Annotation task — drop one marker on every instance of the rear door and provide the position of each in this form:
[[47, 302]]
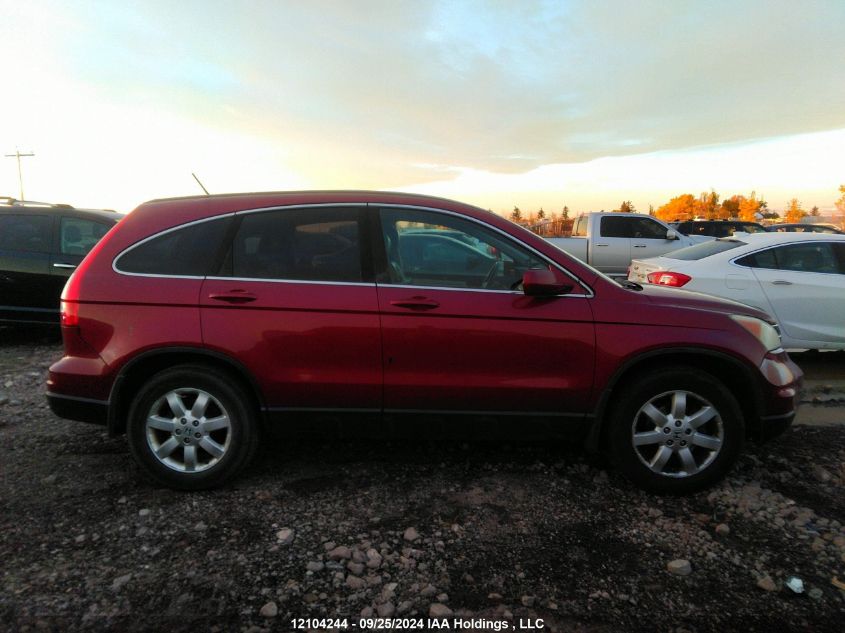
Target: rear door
[[805, 285], [611, 248], [296, 303], [460, 336], [27, 292]]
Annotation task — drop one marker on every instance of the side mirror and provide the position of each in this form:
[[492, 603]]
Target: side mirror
[[671, 234], [545, 283]]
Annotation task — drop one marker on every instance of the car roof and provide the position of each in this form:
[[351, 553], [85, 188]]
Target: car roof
[[11, 205], [772, 238]]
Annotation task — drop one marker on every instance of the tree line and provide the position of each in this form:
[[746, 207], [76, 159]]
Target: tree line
[[708, 205]]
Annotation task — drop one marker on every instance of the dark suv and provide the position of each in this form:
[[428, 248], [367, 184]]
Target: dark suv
[[40, 246], [718, 228], [198, 323]]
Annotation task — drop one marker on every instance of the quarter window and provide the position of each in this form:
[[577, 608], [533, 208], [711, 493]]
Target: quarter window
[[425, 248], [29, 233], [300, 245], [189, 251]]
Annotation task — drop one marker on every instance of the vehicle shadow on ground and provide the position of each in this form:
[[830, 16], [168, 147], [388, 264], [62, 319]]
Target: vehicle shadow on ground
[[30, 335]]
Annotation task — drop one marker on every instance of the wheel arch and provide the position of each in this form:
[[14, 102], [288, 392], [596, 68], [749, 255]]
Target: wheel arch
[[737, 376], [132, 375]]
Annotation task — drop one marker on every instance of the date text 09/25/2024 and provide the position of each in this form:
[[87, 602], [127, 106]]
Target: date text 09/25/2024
[[417, 624]]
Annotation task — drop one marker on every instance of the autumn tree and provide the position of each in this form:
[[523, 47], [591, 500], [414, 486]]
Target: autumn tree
[[730, 207], [679, 208], [840, 206], [794, 212], [708, 205], [750, 207], [626, 207]]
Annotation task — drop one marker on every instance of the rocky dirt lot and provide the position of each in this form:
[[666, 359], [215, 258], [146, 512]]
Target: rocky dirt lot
[[343, 529]]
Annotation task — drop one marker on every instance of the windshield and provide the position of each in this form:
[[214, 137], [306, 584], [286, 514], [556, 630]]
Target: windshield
[[704, 249]]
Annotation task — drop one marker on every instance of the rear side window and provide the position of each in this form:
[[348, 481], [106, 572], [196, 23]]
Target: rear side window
[[28, 233], [318, 244], [705, 249], [186, 252], [616, 226], [78, 236]]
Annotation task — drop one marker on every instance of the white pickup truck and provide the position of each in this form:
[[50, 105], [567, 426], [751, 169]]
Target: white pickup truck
[[609, 241]]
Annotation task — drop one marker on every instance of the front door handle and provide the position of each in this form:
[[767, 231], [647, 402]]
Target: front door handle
[[416, 303], [67, 266], [233, 296], [781, 282], [640, 245]]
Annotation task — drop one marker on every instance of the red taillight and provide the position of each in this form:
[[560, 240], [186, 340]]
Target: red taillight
[[668, 279], [70, 314]]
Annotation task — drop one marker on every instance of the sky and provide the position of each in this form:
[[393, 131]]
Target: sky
[[530, 103]]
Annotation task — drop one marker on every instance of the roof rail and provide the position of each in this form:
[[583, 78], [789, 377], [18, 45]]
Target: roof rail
[[13, 202]]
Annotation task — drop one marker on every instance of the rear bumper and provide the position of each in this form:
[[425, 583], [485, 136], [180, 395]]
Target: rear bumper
[[80, 409]]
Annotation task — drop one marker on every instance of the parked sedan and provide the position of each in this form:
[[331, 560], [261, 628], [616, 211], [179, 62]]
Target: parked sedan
[[799, 278]]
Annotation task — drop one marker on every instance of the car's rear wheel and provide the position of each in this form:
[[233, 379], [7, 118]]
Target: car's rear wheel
[[677, 430], [191, 427]]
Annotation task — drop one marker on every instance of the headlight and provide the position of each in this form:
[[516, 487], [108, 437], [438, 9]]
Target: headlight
[[761, 330]]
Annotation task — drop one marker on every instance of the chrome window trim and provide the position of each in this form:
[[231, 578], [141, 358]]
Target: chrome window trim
[[378, 205], [820, 240], [293, 281], [588, 290], [231, 214], [132, 247]]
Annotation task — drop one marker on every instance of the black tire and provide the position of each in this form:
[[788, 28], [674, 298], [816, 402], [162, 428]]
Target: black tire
[[688, 447], [223, 399]]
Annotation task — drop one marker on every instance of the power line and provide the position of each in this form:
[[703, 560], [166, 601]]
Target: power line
[[18, 155]]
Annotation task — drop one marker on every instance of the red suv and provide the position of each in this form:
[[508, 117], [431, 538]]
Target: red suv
[[197, 323]]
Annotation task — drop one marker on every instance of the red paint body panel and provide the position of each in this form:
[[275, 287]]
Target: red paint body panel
[[307, 345], [487, 351]]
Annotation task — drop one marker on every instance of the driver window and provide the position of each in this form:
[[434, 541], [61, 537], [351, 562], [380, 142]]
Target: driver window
[[425, 248]]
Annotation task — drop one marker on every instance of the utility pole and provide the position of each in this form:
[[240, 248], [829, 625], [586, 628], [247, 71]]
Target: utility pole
[[18, 155]]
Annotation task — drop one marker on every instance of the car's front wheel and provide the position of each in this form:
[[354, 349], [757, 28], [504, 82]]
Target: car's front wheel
[[191, 427], [677, 430]]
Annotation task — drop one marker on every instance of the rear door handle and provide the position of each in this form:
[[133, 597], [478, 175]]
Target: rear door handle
[[781, 282], [68, 266], [233, 296], [602, 244], [416, 303], [640, 245]]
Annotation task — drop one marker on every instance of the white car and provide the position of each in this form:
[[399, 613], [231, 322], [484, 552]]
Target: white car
[[798, 278]]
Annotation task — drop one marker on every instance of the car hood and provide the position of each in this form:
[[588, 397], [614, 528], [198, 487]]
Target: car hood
[[678, 298]]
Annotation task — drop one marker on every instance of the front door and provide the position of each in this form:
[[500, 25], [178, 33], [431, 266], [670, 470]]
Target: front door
[[804, 283], [459, 335]]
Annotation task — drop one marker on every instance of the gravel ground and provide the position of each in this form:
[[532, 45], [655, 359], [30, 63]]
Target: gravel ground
[[500, 533]]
